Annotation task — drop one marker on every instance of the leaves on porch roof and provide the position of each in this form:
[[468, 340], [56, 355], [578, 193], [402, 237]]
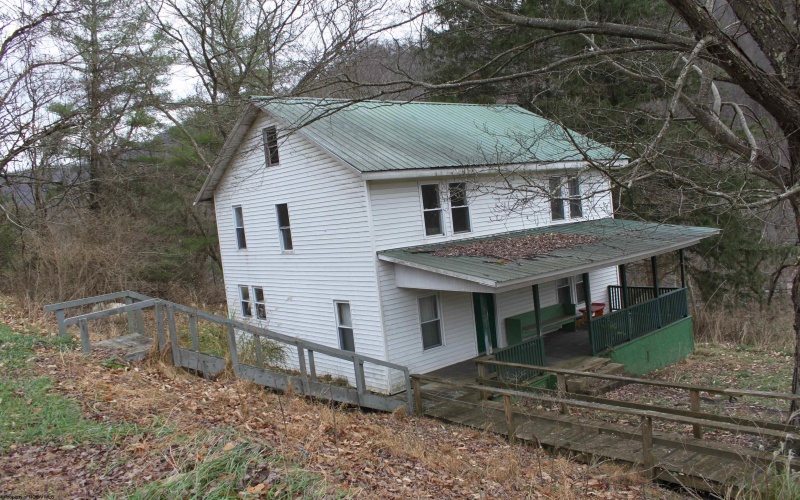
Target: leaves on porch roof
[[509, 249]]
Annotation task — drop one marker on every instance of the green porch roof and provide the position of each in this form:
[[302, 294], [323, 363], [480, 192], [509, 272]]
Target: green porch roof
[[377, 136], [621, 241]]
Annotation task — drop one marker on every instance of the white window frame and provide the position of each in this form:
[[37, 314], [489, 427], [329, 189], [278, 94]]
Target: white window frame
[[237, 227], [257, 303], [465, 207], [556, 197], [574, 197], [281, 229], [267, 140], [440, 210], [438, 318], [568, 287], [243, 301], [340, 326]]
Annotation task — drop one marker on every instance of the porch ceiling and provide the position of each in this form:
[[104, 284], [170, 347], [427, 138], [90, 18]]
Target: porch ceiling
[[620, 241]]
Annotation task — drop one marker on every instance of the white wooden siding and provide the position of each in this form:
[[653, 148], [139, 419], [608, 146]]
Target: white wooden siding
[[332, 257], [397, 221]]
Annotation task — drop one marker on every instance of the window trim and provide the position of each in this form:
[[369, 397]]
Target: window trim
[[269, 138], [241, 244], [438, 318], [281, 229], [440, 209], [339, 325], [257, 303], [243, 301], [465, 207], [574, 197]]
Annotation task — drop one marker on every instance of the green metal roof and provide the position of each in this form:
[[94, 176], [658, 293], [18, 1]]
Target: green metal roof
[[621, 241], [390, 135]]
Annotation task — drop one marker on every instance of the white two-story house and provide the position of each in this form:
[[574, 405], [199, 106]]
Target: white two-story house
[[336, 222]]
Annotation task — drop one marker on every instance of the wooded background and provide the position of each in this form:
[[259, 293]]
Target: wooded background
[[100, 161]]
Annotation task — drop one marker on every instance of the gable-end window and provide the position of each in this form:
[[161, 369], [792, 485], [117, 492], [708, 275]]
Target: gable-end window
[[261, 303], [270, 137], [244, 297], [563, 291], [238, 222], [431, 209], [430, 321], [556, 199], [284, 227], [575, 202], [459, 209], [344, 323]]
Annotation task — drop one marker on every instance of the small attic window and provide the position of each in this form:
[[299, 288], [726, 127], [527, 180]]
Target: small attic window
[[270, 135]]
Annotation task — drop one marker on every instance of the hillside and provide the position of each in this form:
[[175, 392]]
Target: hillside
[[95, 427]]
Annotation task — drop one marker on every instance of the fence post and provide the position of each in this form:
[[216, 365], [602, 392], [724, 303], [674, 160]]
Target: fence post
[[417, 390], [561, 385], [193, 333], [694, 405], [131, 316], [358, 364], [173, 336], [482, 376], [232, 348], [312, 366], [409, 392], [301, 358], [160, 333], [510, 425], [62, 328], [647, 446], [85, 345]]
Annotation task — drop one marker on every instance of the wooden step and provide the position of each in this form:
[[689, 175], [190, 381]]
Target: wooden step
[[593, 386]]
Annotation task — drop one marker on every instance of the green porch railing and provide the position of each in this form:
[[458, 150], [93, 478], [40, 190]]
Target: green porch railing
[[528, 352], [636, 295], [627, 324]]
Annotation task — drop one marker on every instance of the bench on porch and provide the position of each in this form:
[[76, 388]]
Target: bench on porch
[[553, 317]]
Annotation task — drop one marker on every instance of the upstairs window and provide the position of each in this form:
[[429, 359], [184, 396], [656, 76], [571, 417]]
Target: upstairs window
[[344, 323], [261, 303], [575, 202], [238, 222], [431, 209], [270, 137], [459, 209], [430, 321], [556, 199], [247, 305], [284, 227]]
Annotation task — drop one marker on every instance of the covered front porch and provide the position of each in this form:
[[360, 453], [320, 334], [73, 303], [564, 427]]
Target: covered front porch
[[565, 314]]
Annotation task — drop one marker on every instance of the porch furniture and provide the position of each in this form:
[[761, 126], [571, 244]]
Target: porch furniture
[[597, 310], [552, 318]]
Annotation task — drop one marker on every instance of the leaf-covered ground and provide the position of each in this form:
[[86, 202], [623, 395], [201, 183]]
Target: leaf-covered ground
[[87, 428]]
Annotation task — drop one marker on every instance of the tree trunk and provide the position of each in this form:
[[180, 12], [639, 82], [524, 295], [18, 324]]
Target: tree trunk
[[793, 407]]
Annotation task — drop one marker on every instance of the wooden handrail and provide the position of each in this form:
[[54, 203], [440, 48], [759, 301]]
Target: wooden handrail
[[615, 409], [658, 383]]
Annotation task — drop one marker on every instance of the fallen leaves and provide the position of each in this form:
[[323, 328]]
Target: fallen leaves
[[525, 247]]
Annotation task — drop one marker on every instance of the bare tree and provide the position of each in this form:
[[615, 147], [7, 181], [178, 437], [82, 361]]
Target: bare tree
[[724, 123]]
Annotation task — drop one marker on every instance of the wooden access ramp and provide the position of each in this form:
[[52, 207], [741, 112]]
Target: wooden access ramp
[[694, 463]]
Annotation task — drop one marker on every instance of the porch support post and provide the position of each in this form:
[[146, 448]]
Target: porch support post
[[682, 260], [487, 335], [537, 308], [587, 293], [656, 287], [623, 277]]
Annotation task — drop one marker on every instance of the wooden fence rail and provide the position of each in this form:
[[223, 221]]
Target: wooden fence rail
[[693, 392], [258, 372]]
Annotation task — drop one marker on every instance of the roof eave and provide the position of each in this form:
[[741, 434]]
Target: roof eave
[[229, 148], [505, 169]]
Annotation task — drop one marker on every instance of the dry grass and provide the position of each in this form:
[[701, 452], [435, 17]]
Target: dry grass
[[767, 329]]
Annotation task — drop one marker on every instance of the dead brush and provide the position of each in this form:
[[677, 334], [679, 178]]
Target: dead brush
[[764, 329]]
